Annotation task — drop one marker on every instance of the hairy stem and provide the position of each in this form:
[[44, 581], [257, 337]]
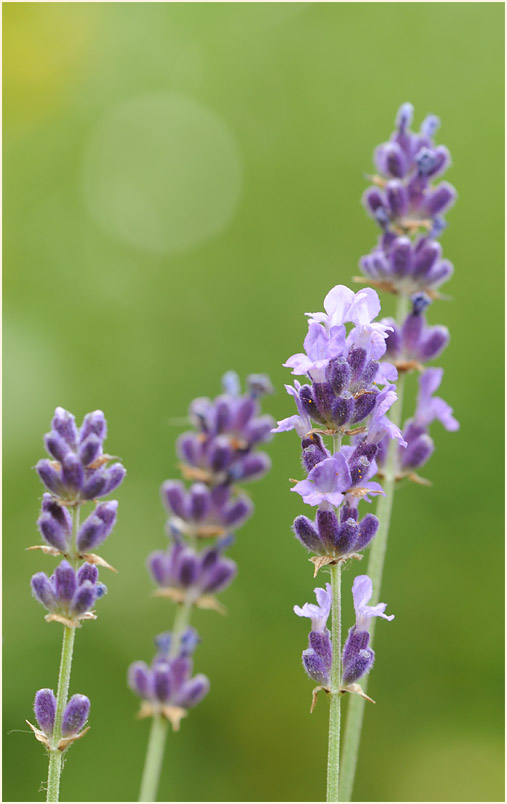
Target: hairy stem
[[333, 760], [55, 755], [159, 726], [356, 704]]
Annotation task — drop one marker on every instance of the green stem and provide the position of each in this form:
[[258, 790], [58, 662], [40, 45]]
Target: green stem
[[333, 759], [356, 704], [55, 755], [154, 758], [159, 725]]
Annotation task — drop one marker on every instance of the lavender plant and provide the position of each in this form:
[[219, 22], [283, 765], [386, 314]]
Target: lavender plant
[[215, 456], [407, 262], [348, 396], [351, 388], [78, 472]]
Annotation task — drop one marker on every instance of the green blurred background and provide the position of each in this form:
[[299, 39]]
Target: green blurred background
[[181, 183]]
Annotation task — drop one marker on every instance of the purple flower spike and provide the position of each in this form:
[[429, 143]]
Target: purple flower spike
[[45, 710], [66, 593], [75, 715], [78, 471], [409, 203]]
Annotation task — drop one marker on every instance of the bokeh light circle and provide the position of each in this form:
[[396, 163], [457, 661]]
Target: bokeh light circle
[[162, 173]]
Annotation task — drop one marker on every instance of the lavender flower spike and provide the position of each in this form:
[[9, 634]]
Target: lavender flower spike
[[79, 470]]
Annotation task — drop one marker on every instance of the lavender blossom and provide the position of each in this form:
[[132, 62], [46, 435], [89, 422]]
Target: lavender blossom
[[202, 511], [317, 658], [78, 470], [168, 682], [404, 202], [335, 536], [404, 196], [344, 369], [228, 430], [357, 657], [398, 265], [191, 574], [67, 595], [414, 343]]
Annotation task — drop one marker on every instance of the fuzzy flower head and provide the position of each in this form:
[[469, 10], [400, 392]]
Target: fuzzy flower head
[[362, 591], [167, 687], [343, 369], [79, 468], [227, 431], [404, 196], [413, 342], [68, 595], [319, 613]]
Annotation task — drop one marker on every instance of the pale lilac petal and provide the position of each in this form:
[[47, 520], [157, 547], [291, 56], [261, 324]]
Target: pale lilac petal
[[443, 412], [362, 590], [299, 363], [386, 373], [365, 307], [291, 423], [317, 614]]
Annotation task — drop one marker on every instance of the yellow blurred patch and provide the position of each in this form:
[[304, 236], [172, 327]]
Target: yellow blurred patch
[[44, 48]]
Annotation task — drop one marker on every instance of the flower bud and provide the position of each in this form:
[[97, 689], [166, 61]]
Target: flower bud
[[45, 710], [173, 494], [307, 534], [193, 691], [75, 715], [65, 425]]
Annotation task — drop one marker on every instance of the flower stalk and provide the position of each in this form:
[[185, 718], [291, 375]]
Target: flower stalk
[[55, 754], [407, 261], [77, 473], [333, 761], [219, 452]]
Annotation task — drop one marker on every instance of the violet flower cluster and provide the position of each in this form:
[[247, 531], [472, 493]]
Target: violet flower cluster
[[405, 202], [408, 261], [78, 472], [220, 451], [347, 393], [168, 685]]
